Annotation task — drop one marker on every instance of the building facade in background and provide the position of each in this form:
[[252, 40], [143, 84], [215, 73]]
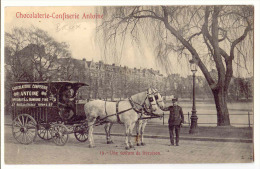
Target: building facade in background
[[109, 81]]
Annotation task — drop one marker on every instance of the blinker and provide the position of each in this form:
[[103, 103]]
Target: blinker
[[156, 97], [150, 99]]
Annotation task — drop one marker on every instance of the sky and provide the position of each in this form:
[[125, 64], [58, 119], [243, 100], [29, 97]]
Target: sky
[[80, 34]]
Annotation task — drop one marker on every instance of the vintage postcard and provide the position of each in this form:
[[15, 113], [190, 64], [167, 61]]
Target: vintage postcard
[[161, 84]]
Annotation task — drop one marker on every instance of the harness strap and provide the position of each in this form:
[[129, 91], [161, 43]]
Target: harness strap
[[133, 106], [106, 108], [151, 114], [151, 117], [117, 114]]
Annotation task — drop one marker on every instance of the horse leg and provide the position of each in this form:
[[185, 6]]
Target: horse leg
[[106, 130], [138, 129], [109, 132], [91, 123], [130, 135], [108, 127], [142, 132], [127, 147]]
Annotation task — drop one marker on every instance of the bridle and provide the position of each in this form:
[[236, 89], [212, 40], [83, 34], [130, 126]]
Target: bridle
[[156, 93], [150, 98], [147, 109]]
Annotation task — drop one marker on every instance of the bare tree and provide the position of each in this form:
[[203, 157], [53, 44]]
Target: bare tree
[[66, 69], [210, 34], [32, 54]]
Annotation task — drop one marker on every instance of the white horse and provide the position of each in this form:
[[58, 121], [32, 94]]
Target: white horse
[[141, 123], [145, 114], [125, 111]]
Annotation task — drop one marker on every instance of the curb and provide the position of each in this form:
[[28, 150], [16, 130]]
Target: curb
[[190, 138]]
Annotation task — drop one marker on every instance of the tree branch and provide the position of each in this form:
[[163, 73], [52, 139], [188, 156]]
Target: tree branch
[[238, 40], [189, 47]]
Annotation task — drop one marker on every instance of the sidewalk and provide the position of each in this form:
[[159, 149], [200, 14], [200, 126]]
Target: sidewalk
[[217, 134]]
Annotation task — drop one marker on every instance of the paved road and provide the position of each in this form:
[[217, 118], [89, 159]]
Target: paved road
[[155, 151]]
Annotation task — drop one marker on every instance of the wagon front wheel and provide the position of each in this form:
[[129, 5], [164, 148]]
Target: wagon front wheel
[[24, 129], [59, 134], [81, 133], [44, 131]]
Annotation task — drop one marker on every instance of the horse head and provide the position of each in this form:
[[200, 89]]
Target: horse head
[[158, 97], [150, 102], [145, 100]]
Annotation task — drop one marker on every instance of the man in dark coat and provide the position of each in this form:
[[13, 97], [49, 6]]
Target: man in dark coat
[[175, 119], [69, 101]]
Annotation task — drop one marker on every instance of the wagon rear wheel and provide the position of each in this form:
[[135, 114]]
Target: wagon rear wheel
[[59, 134], [44, 131], [24, 129], [81, 133]]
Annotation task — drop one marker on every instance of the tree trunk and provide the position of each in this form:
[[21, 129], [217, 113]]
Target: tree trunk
[[220, 97]]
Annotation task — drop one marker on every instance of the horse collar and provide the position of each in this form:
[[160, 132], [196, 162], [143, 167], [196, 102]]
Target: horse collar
[[133, 105]]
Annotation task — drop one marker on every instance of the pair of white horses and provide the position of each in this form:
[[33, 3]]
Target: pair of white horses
[[128, 112]]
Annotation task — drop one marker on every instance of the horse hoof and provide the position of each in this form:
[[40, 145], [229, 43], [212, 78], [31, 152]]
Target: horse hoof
[[138, 144], [143, 144], [91, 146], [132, 146], [110, 142], [127, 147]]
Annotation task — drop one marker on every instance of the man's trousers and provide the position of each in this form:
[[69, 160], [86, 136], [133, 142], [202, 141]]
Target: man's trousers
[[177, 132]]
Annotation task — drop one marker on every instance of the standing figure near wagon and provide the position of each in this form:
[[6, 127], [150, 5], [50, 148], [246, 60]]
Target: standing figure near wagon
[[175, 119]]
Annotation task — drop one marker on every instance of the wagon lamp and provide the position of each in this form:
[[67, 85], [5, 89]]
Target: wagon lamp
[[194, 118]]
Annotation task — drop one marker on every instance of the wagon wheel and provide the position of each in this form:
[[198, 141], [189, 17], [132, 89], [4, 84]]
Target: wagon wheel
[[81, 133], [44, 131], [59, 134], [24, 129]]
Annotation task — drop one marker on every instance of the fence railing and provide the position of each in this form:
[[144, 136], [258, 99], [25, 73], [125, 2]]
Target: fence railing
[[189, 121]]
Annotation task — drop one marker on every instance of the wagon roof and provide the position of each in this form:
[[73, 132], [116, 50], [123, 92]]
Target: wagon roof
[[57, 83]]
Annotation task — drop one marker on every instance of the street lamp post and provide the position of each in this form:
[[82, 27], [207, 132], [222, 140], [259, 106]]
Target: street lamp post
[[194, 118]]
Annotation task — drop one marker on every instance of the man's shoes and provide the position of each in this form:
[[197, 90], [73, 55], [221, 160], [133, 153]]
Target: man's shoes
[[177, 144], [172, 144]]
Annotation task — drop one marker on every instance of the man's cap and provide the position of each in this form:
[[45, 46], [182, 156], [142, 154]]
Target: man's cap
[[175, 99]]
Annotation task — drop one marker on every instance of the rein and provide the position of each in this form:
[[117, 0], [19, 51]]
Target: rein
[[151, 117], [151, 114]]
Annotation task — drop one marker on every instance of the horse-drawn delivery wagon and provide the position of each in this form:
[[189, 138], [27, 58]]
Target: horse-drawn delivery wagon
[[51, 111], [45, 109]]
